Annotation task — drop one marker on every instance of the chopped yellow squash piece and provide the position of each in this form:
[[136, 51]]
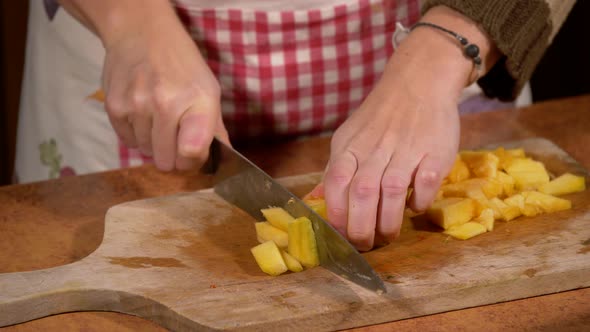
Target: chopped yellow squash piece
[[269, 258], [486, 218], [278, 217], [318, 205], [265, 232], [506, 156], [503, 210], [516, 153], [483, 164], [546, 203], [468, 188], [565, 184], [518, 200], [507, 183], [459, 172], [451, 211], [302, 243], [292, 264], [466, 230], [528, 174]]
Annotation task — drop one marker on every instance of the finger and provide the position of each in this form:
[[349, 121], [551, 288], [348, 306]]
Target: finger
[[118, 111], [338, 176], [141, 114], [142, 128], [316, 192], [184, 163], [125, 132], [428, 178], [396, 179], [196, 128], [164, 136], [363, 200]]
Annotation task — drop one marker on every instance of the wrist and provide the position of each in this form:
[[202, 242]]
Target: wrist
[[435, 56], [121, 19], [430, 63]]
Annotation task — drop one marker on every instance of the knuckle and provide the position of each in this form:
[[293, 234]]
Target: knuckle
[[430, 177], [337, 212], [163, 98], [364, 188], [139, 101], [116, 108], [394, 185], [339, 176]]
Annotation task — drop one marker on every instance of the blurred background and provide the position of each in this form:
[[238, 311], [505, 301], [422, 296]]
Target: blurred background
[[564, 71]]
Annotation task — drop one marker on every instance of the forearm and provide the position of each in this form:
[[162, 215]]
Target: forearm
[[111, 19]]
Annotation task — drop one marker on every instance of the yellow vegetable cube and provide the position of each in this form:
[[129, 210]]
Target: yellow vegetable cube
[[302, 243], [459, 172], [507, 183], [482, 164], [528, 174], [292, 264], [506, 156], [516, 153], [269, 258], [504, 211], [267, 232], [486, 218], [518, 201], [466, 230], [451, 211], [318, 205], [277, 217], [565, 184], [468, 188], [546, 203]]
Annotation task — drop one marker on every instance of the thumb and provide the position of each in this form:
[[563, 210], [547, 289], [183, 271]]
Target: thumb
[[196, 127]]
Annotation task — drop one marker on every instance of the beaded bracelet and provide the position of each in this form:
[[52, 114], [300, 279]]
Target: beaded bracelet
[[470, 50]]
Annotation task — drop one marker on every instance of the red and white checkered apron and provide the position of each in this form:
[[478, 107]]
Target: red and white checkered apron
[[287, 73]]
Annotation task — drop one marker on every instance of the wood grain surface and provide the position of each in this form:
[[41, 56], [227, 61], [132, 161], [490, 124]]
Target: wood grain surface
[[183, 261]]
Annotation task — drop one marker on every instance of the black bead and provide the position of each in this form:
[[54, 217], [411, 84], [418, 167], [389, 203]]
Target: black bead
[[463, 41], [472, 51], [477, 61]]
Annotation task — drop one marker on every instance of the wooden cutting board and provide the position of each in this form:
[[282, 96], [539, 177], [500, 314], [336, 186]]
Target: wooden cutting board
[[183, 261]]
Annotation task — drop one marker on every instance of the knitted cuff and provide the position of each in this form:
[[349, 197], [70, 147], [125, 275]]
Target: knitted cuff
[[521, 30]]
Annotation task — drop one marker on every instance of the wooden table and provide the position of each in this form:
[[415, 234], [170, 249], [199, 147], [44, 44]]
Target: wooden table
[[57, 222]]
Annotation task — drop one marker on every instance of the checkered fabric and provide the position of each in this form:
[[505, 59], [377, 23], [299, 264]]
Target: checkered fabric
[[286, 73]]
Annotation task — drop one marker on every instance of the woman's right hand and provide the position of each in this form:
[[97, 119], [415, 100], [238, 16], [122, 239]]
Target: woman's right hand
[[161, 97]]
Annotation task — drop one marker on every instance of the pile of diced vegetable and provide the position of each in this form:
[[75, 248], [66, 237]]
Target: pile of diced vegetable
[[484, 186]]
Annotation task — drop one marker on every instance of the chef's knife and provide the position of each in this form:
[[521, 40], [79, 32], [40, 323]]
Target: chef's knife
[[243, 184]]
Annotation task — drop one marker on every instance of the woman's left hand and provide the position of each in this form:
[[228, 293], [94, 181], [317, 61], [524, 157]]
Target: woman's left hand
[[398, 138], [404, 135]]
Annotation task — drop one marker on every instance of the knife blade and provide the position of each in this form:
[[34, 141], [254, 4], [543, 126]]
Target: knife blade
[[243, 184]]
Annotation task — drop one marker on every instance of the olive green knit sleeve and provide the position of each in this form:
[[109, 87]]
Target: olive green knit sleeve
[[521, 29]]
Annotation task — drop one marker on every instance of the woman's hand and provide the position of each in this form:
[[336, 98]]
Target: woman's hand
[[404, 135], [160, 94]]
